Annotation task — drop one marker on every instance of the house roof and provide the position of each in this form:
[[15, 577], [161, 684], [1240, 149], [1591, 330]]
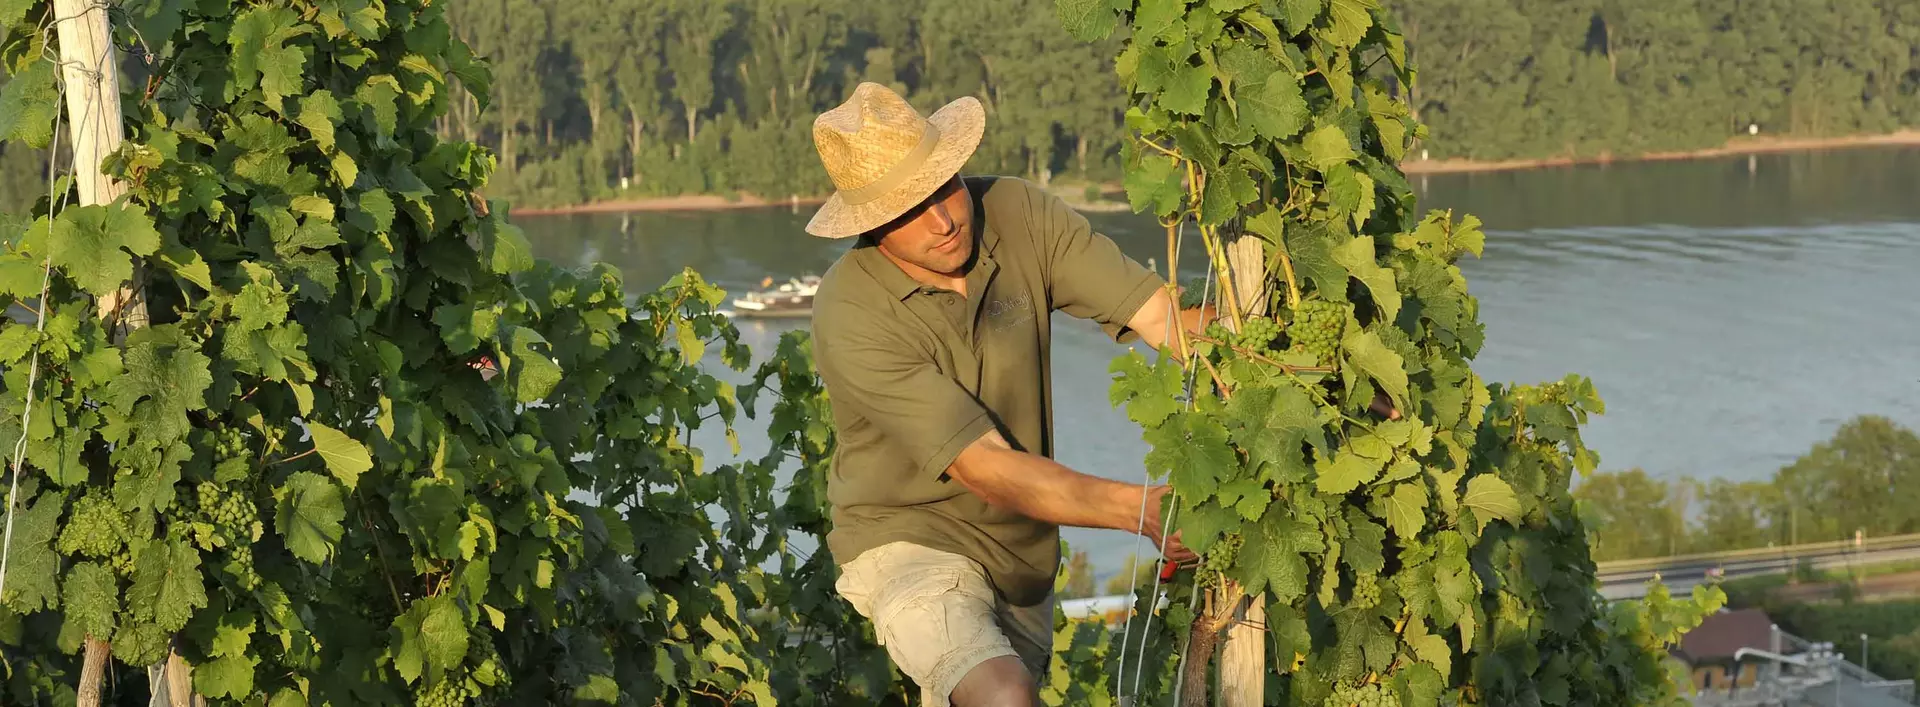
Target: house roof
[[1723, 634]]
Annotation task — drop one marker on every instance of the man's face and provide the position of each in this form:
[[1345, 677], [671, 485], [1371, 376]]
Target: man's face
[[936, 234]]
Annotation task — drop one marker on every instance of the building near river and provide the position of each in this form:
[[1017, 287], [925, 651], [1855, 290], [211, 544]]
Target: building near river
[[1741, 658]]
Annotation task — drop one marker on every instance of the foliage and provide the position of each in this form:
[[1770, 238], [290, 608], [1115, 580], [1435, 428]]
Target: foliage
[[1837, 488], [585, 92], [370, 451], [1437, 554]]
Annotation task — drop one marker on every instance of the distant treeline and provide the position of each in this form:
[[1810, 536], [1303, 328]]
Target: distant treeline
[[1865, 479], [716, 96]]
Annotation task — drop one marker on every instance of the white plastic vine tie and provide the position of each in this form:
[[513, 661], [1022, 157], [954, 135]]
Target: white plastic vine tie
[[56, 201]]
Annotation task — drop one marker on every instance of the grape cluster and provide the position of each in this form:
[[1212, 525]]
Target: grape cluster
[[96, 528], [235, 521], [489, 669], [1316, 330], [1220, 556], [1374, 695], [1257, 333], [1366, 591], [451, 691]]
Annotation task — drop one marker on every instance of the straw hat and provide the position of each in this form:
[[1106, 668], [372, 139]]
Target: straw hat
[[884, 158]]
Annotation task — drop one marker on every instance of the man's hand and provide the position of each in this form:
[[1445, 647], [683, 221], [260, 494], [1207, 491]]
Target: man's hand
[[1383, 406], [1175, 551]]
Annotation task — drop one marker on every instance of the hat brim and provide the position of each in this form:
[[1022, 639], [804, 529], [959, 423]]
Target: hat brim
[[961, 124]]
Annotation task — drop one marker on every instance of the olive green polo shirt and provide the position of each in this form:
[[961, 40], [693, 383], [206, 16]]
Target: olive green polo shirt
[[917, 373]]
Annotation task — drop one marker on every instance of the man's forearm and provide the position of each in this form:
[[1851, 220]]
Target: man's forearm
[[1045, 490]]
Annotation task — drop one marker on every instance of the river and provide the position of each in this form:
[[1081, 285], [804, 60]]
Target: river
[[1732, 312]]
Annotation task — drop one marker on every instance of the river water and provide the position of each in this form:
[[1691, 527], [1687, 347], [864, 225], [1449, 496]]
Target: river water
[[1732, 312]]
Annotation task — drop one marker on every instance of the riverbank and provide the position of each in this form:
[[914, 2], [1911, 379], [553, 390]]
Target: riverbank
[[1733, 148], [1736, 147]]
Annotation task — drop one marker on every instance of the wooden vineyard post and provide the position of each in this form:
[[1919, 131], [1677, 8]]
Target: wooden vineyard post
[[89, 69], [1243, 654], [93, 121]]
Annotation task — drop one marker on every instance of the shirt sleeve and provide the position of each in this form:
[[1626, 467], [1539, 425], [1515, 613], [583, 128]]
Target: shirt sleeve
[[1087, 274], [897, 389]]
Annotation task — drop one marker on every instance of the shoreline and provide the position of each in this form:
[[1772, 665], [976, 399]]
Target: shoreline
[[1733, 148]]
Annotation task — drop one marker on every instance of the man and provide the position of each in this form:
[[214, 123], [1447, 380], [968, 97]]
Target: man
[[932, 334]]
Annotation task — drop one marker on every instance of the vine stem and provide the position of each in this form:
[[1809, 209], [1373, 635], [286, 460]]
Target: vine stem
[[1261, 358], [296, 457]]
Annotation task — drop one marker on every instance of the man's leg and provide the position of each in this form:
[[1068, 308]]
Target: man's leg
[[934, 613]]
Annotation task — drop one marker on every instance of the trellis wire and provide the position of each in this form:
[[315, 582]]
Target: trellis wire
[[1166, 521]]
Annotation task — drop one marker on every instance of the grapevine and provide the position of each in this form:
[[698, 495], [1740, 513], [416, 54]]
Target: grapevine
[[292, 484], [1345, 435]]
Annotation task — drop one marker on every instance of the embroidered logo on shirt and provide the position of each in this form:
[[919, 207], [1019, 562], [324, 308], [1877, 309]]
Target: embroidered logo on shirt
[[1004, 314]]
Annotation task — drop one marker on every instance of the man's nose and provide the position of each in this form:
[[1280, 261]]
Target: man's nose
[[942, 221]]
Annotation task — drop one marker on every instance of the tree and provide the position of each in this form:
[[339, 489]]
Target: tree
[[1079, 577], [1635, 515]]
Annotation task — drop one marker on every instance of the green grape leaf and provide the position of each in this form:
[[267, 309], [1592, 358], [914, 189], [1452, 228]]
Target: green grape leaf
[[1205, 523], [1226, 6], [1407, 510], [234, 634], [1298, 15], [534, 375], [1327, 146], [27, 105], [1275, 425], [1187, 88], [1155, 18], [1364, 541], [320, 115], [1274, 107], [1421, 684], [443, 632], [188, 265], [345, 456], [1273, 562], [140, 643], [1347, 471], [1350, 22], [230, 677], [167, 586], [93, 597], [510, 253], [1150, 391], [165, 377], [1491, 498], [1228, 188], [1357, 256], [308, 514], [92, 244], [1368, 353], [281, 72], [1086, 20], [20, 276], [287, 697], [1191, 451], [1311, 249]]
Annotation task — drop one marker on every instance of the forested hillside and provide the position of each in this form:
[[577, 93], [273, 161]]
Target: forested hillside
[[715, 96]]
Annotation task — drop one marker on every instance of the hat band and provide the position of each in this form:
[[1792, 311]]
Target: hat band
[[899, 173]]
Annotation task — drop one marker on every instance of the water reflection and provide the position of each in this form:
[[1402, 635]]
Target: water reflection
[[1731, 317]]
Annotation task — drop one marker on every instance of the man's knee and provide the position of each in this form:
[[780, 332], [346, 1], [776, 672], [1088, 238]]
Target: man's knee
[[999, 682]]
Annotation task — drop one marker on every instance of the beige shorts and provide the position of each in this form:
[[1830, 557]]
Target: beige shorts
[[938, 617]]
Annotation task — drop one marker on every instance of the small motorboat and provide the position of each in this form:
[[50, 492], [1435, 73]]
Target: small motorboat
[[793, 298]]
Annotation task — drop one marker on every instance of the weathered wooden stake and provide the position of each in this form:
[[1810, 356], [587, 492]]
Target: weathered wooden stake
[[93, 121], [89, 67], [1243, 653]]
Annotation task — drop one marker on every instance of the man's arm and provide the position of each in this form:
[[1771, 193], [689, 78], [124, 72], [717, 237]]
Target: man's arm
[[1153, 321], [1044, 490]]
